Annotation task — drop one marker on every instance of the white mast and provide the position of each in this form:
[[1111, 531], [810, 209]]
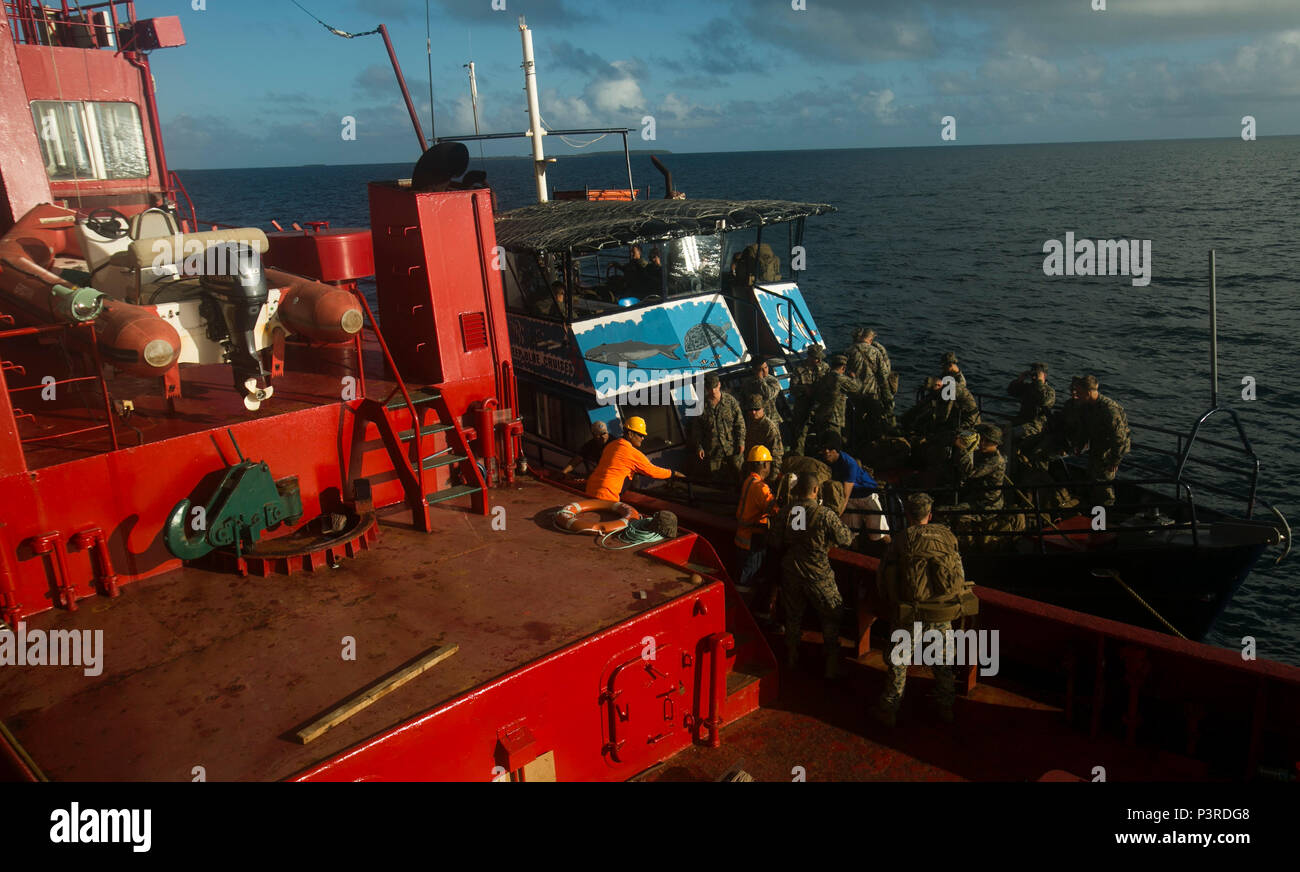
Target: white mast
[[473, 94], [534, 111]]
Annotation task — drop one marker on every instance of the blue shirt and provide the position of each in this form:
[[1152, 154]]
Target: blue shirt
[[848, 469]]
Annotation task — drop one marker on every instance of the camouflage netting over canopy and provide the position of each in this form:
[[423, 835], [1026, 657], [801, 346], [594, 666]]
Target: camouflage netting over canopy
[[587, 226]]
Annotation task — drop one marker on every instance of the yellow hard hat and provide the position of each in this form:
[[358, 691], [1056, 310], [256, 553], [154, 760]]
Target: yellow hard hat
[[635, 425], [759, 454]]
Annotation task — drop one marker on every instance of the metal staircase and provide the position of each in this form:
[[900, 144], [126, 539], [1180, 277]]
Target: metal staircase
[[429, 473]]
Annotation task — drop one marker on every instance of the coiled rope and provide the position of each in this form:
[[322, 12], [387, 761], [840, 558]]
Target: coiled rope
[[636, 533]]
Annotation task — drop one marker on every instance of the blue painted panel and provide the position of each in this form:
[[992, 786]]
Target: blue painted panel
[[670, 342], [791, 332]]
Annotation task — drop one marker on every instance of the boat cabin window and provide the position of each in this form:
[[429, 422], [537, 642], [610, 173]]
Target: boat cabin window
[[663, 427], [563, 422], [85, 140], [626, 274], [761, 255], [529, 282], [692, 264]]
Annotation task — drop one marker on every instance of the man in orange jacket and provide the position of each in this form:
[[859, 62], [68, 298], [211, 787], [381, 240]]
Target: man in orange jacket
[[620, 460], [757, 505]]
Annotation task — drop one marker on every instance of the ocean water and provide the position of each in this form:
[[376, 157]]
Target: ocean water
[[942, 249]]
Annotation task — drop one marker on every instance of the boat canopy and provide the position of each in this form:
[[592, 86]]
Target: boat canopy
[[588, 226]]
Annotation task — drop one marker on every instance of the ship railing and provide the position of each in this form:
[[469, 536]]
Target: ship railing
[[1039, 527], [398, 386], [1181, 461], [64, 331], [86, 25], [176, 187], [792, 309]]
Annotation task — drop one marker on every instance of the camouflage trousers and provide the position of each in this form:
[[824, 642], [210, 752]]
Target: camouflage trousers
[[980, 531], [896, 673], [824, 595], [1033, 472], [801, 424], [1101, 493]]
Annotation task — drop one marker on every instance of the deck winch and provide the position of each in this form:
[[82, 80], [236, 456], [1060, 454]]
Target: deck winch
[[246, 503]]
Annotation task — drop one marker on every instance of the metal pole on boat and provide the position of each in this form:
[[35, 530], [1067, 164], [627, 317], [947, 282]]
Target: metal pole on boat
[[473, 94], [534, 111], [406, 95], [1214, 339], [627, 157]]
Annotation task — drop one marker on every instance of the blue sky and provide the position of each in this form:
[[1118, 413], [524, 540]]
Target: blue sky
[[262, 84]]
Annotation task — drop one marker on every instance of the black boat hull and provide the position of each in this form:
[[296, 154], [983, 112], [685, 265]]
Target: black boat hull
[[1188, 585]]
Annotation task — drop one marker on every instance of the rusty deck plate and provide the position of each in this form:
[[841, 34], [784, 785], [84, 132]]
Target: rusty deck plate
[[212, 670]]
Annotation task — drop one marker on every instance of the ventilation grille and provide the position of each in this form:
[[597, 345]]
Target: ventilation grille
[[473, 330]]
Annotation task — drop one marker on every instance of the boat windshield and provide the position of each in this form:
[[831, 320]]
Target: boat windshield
[[628, 275]]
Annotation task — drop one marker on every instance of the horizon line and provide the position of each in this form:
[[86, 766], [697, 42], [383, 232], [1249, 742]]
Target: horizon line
[[948, 145]]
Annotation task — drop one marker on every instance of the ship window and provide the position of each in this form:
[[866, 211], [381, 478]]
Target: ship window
[[663, 429], [82, 140], [527, 279], [692, 264]]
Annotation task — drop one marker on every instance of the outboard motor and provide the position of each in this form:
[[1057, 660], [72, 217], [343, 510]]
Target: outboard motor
[[235, 293]]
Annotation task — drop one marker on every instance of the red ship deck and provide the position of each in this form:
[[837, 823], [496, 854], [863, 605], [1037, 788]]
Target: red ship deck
[[999, 735], [212, 670]]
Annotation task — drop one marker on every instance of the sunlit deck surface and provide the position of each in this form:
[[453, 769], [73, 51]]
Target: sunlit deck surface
[[213, 670], [998, 735]]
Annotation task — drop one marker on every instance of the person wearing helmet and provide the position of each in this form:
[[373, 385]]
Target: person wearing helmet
[[591, 450], [762, 430], [621, 459], [981, 475], [806, 374], [753, 514]]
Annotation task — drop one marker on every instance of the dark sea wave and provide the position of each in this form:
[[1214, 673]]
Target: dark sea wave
[[942, 249]]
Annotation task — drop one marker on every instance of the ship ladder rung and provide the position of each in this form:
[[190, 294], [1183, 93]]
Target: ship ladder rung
[[451, 493], [418, 398]]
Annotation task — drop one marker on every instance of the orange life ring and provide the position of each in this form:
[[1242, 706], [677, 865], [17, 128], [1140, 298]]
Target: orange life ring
[[566, 518]]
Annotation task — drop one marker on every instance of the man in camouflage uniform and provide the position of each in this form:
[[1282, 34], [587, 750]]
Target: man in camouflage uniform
[[918, 580], [933, 423], [1036, 400], [868, 362], [981, 474], [716, 436], [759, 430], [802, 380], [807, 530], [1062, 434], [766, 385], [830, 397], [948, 366], [1106, 426]]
